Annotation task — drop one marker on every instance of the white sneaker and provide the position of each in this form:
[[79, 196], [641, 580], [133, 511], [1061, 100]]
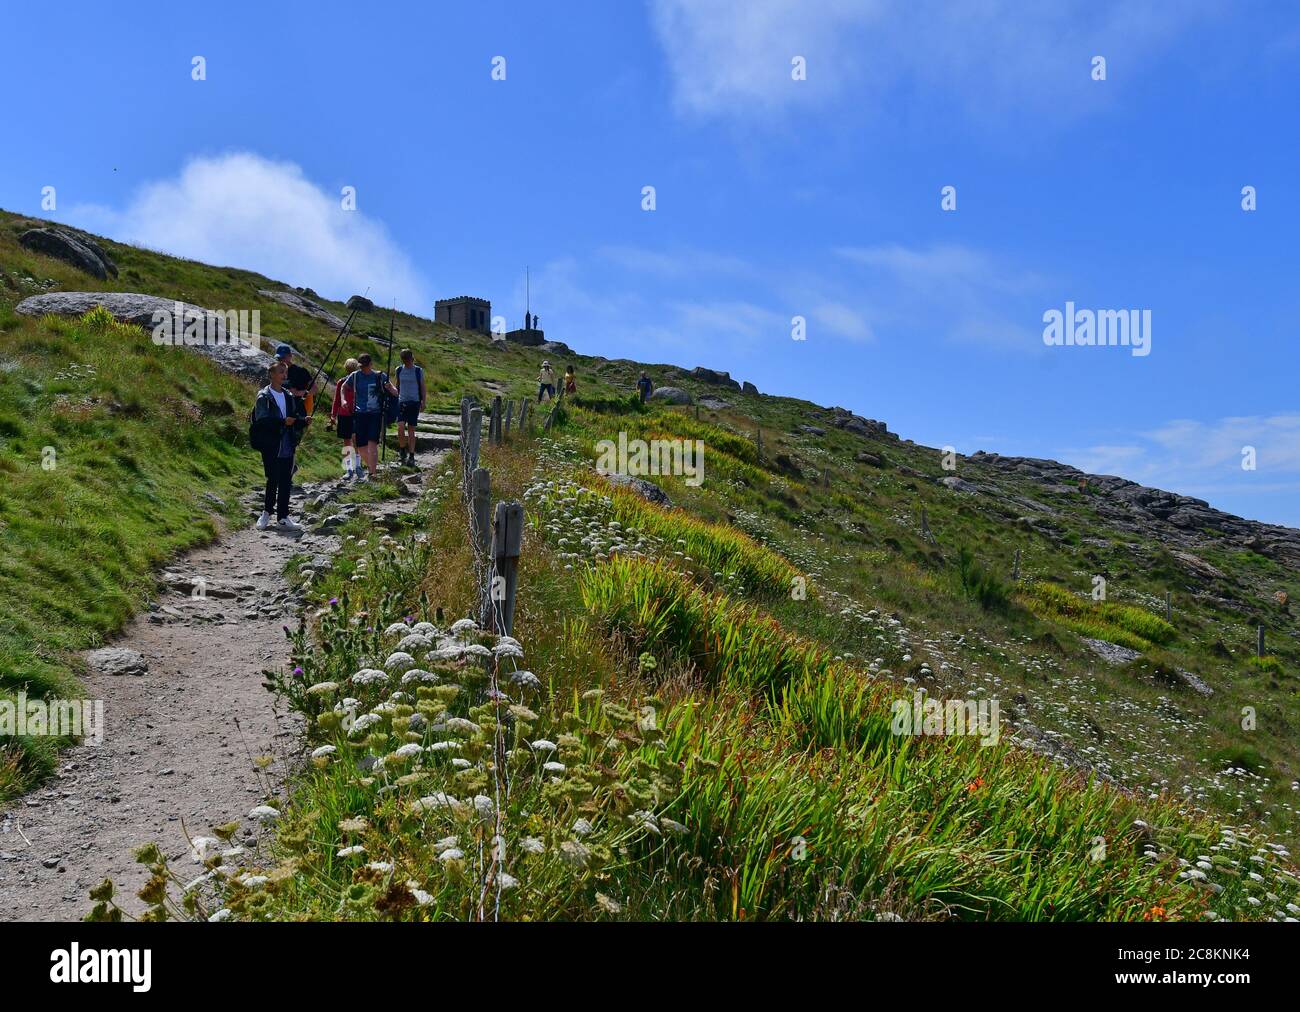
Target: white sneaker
[[290, 524], [264, 521]]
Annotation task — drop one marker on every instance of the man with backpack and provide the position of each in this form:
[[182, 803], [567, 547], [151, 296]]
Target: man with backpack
[[368, 392], [297, 379], [410, 402], [644, 387], [278, 421]]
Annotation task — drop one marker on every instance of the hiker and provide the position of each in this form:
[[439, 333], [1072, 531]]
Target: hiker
[[297, 380], [644, 387], [279, 420], [545, 382], [341, 418], [570, 382], [368, 390], [410, 402]]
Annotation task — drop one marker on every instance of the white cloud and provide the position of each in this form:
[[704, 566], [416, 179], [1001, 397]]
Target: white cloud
[[244, 210], [957, 292], [1211, 447], [1204, 459], [731, 58], [843, 321]]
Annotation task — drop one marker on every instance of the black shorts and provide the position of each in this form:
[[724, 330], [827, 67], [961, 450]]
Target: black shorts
[[408, 412], [366, 428], [344, 424]]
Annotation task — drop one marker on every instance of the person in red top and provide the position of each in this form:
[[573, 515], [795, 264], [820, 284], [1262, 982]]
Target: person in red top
[[341, 418]]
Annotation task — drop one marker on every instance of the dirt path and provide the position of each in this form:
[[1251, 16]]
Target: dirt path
[[179, 739]]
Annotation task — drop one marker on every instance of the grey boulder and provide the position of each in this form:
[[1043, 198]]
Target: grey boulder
[[647, 490], [117, 661], [229, 353], [671, 395], [303, 305], [80, 251]]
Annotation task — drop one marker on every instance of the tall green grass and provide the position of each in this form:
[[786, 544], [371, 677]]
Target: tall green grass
[[936, 827], [1124, 624], [722, 549]]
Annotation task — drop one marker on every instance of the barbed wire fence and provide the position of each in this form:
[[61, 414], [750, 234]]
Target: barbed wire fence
[[495, 544]]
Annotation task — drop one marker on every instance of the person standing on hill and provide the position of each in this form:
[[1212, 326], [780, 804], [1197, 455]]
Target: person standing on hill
[[297, 380], [644, 387], [341, 418], [570, 382], [545, 382], [410, 402], [279, 420], [368, 389]]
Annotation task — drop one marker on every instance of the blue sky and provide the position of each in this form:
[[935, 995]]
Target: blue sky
[[775, 198]]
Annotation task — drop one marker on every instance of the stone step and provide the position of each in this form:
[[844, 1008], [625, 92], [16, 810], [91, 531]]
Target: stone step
[[428, 441]]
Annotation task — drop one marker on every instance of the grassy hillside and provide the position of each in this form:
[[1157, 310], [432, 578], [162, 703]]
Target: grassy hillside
[[771, 709]]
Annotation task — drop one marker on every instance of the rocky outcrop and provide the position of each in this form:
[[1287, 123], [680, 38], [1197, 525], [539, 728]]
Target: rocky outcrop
[[749, 388], [671, 395], [714, 377], [844, 419], [955, 484], [361, 304], [555, 348], [210, 337], [1180, 522], [71, 247], [303, 305]]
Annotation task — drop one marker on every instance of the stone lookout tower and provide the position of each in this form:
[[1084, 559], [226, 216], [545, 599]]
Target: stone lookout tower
[[465, 312]]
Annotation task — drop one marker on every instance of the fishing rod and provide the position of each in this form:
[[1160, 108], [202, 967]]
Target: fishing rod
[[383, 446], [329, 354]]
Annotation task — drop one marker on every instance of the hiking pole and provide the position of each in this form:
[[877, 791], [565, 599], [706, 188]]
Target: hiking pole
[[329, 354], [383, 446]]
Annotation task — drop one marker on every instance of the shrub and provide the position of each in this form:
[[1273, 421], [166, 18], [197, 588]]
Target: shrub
[[1268, 664], [978, 584]]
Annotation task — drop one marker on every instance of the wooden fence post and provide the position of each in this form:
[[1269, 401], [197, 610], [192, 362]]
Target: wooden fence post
[[1169, 606], [481, 510], [551, 416], [523, 414], [470, 443], [925, 526], [464, 443], [494, 431], [507, 539], [510, 414], [1015, 568], [1259, 641]]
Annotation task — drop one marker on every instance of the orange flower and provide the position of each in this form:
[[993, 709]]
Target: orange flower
[[975, 785], [1154, 914]]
